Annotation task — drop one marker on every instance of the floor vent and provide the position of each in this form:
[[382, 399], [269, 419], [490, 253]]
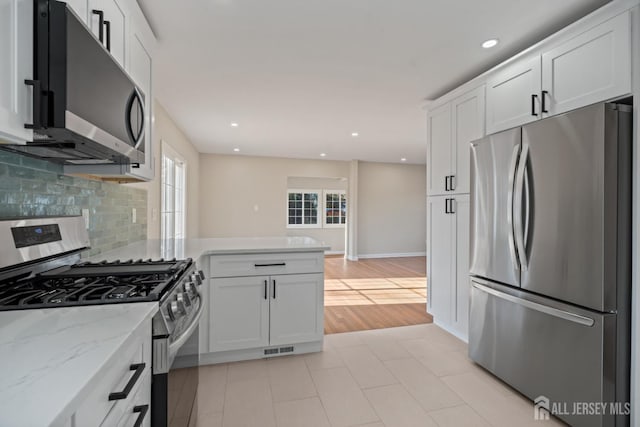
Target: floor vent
[[286, 349], [271, 351]]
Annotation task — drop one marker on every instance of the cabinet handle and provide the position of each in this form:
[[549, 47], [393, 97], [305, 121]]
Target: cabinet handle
[[276, 264], [142, 410], [107, 26], [533, 105], [452, 186], [274, 288], [119, 395], [451, 205], [446, 183], [446, 206], [100, 24], [265, 290], [544, 98], [37, 106]]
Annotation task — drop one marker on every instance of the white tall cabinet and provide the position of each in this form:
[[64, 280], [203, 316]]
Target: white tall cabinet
[[452, 126]]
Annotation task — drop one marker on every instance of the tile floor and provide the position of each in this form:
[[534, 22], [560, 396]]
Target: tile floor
[[367, 291], [407, 376]]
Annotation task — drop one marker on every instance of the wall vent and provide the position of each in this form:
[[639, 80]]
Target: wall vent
[[286, 349], [271, 351]]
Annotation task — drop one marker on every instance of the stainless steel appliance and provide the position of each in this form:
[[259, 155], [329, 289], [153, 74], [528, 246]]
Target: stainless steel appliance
[[40, 267], [86, 109], [550, 260]]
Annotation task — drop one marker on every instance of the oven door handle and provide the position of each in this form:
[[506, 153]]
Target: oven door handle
[[175, 346]]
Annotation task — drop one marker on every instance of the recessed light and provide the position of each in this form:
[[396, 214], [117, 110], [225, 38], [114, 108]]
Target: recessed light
[[234, 125], [323, 154], [404, 159], [490, 43], [354, 134], [236, 150]]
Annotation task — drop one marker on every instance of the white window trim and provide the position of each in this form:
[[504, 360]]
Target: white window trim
[[324, 208], [170, 152], [320, 208]]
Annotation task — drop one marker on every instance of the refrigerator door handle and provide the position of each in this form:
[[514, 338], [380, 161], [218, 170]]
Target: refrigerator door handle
[[517, 208], [552, 311], [512, 174]]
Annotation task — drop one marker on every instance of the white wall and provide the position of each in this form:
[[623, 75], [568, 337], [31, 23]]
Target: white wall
[[391, 209], [247, 196], [165, 129]]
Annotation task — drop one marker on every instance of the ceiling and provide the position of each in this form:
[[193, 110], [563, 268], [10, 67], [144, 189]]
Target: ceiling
[[299, 76]]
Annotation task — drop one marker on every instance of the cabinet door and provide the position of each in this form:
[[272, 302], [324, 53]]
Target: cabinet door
[[80, 8], [461, 292], [238, 313], [297, 308], [113, 28], [16, 51], [140, 69], [440, 246], [467, 114], [438, 149], [513, 95], [592, 67]]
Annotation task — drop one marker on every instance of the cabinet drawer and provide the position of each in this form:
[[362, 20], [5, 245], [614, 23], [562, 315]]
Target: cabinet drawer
[[266, 264], [125, 413], [115, 376]]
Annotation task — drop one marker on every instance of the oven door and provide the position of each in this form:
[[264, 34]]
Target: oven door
[[174, 393]]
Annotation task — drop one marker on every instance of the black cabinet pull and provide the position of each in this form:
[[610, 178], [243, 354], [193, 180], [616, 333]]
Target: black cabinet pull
[[107, 26], [274, 288], [446, 183], [533, 105], [37, 106], [451, 205], [446, 206], [275, 264], [119, 395], [544, 98], [100, 24], [142, 410], [451, 181], [265, 290]]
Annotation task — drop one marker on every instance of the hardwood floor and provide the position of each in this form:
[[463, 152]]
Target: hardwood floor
[[374, 293]]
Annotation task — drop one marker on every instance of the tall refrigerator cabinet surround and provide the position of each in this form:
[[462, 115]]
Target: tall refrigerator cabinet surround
[[550, 259]]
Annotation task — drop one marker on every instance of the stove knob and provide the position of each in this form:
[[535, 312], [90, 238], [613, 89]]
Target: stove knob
[[201, 274], [190, 289], [195, 278], [176, 310], [184, 300]]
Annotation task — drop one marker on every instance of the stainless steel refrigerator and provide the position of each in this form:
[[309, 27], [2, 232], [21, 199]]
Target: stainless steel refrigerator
[[550, 260]]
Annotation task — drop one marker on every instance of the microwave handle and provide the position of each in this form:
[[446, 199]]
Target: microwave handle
[[137, 138]]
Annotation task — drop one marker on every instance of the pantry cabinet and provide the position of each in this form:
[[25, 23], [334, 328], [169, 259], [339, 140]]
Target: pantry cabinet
[[448, 262], [452, 127], [593, 66]]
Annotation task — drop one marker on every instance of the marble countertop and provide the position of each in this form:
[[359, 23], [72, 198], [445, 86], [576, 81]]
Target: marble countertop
[[195, 248], [50, 358]]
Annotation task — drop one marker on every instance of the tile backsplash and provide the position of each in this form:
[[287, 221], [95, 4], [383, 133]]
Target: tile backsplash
[[33, 187]]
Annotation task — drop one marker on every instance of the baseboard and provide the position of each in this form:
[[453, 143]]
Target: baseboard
[[334, 252], [352, 258], [452, 332], [258, 353], [392, 255]]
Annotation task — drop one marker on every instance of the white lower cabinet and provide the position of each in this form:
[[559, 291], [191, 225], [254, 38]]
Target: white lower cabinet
[[262, 315], [448, 262]]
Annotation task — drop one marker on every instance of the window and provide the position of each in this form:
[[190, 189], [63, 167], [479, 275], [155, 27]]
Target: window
[[335, 208], [303, 209], [173, 190]]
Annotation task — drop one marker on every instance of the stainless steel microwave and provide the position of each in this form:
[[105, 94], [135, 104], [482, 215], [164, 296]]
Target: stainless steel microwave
[[86, 108]]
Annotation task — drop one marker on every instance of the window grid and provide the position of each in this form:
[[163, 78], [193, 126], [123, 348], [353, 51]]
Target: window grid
[[335, 208], [303, 209]]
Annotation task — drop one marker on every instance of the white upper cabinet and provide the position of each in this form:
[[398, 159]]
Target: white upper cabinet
[[80, 7], [513, 95], [16, 66], [107, 22], [439, 150], [591, 67], [467, 112], [451, 127]]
